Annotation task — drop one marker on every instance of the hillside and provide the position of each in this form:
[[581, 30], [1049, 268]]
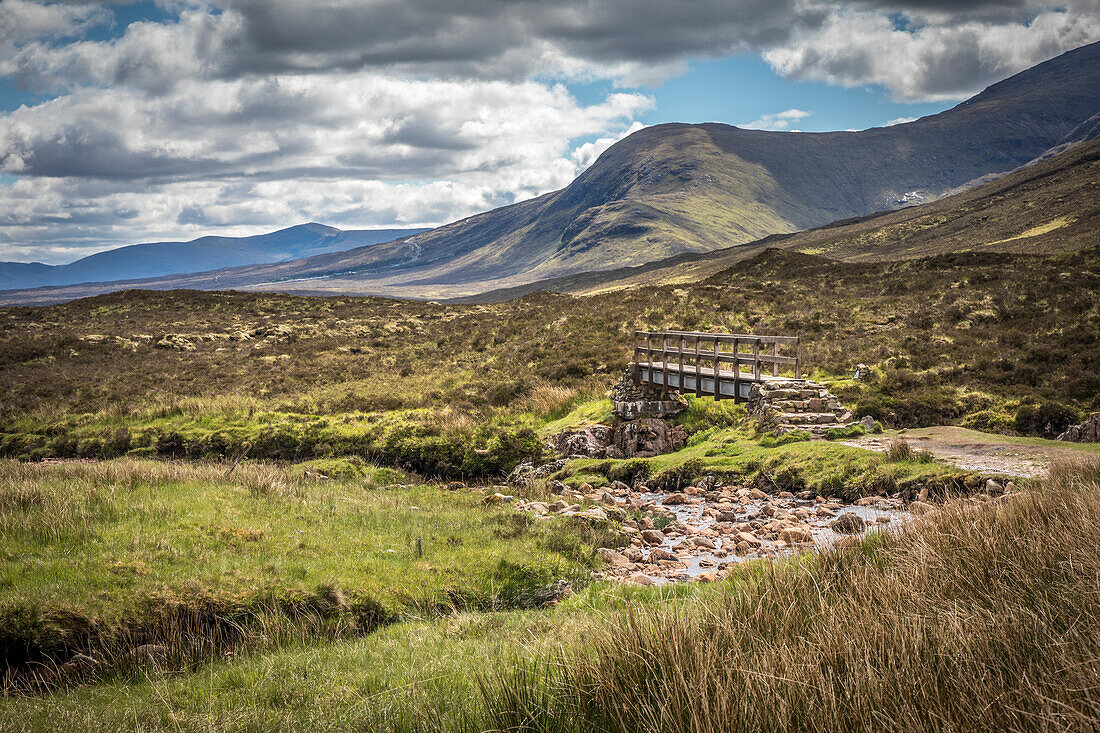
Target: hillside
[[157, 259], [677, 188], [1051, 206]]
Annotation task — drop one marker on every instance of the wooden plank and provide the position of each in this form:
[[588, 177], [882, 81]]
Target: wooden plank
[[664, 363], [637, 354], [726, 338], [698, 372], [680, 362], [649, 358], [728, 358], [717, 376], [736, 370]]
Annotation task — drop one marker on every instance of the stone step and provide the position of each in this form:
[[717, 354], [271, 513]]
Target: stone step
[[783, 393], [807, 418], [814, 429], [814, 404]]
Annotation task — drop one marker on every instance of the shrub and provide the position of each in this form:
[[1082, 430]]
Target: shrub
[[1047, 419]]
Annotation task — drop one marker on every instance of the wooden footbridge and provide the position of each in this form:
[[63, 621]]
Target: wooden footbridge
[[712, 364]]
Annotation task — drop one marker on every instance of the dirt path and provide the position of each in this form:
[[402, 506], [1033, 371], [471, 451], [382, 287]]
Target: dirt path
[[985, 452]]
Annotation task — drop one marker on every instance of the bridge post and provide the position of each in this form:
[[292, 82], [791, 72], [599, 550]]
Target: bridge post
[[717, 364], [798, 358], [756, 360], [775, 364], [698, 372], [664, 363], [736, 369], [680, 363], [637, 369]]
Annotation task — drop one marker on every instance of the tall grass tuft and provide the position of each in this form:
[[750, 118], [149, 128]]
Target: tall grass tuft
[[552, 401], [976, 618]]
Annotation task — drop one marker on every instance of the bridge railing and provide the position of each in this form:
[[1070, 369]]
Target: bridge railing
[[721, 355]]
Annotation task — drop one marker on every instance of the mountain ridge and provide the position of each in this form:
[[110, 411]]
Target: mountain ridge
[[156, 259]]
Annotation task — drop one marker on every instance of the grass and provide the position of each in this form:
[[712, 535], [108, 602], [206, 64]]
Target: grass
[[97, 557], [979, 616]]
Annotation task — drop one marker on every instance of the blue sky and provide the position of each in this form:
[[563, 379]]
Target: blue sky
[[743, 88], [172, 119]]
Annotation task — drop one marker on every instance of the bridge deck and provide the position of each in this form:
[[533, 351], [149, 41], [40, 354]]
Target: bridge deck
[[687, 379]]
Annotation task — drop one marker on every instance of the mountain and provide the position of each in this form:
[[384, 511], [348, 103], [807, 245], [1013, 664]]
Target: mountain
[[678, 189], [206, 253], [1047, 207], [1050, 206]]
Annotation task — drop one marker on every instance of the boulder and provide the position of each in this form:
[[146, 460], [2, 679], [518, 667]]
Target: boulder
[[920, 508], [674, 499], [848, 524], [640, 579], [659, 553], [796, 535], [653, 536], [155, 655], [612, 558], [750, 539], [615, 513], [591, 441], [707, 577], [497, 498], [619, 487], [1086, 432]]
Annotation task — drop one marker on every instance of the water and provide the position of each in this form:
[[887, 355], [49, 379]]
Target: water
[[885, 514]]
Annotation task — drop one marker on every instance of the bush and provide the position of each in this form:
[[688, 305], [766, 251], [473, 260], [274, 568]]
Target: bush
[[1046, 420]]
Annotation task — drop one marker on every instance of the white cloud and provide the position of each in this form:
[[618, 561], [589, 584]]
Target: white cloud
[[23, 20], [777, 120], [115, 166], [944, 61], [899, 121]]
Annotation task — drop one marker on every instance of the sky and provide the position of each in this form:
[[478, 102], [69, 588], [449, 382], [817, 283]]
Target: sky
[[125, 122]]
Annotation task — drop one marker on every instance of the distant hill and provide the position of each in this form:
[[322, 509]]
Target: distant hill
[[206, 253], [681, 189]]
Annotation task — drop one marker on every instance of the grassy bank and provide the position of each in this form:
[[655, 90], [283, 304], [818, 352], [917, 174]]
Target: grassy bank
[[102, 558]]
